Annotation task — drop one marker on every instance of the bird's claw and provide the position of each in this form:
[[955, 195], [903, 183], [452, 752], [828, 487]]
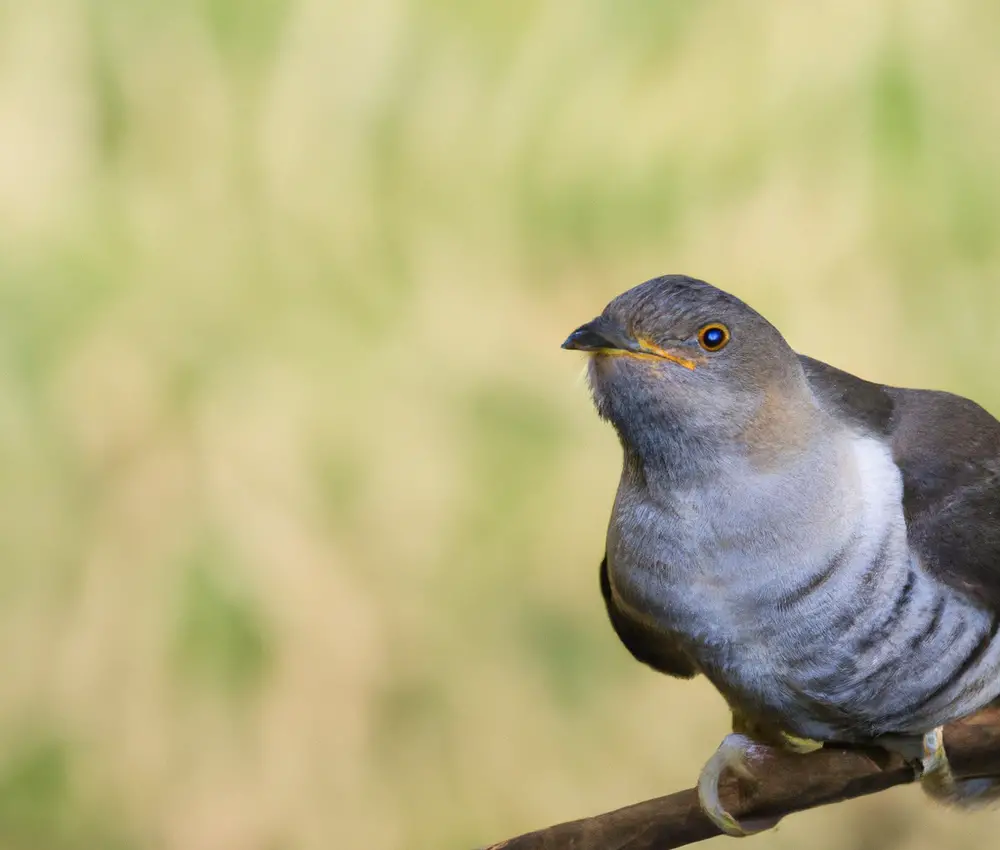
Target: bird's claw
[[938, 781], [936, 778], [732, 755]]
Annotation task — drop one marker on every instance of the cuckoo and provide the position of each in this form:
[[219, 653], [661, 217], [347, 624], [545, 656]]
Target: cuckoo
[[823, 549]]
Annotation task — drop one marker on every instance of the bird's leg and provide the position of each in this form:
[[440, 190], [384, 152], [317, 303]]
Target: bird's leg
[[938, 781], [936, 778], [736, 754]]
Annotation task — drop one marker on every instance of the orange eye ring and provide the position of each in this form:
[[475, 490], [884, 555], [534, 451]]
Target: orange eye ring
[[714, 337]]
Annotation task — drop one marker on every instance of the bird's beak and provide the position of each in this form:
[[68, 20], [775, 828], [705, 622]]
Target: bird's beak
[[601, 334], [605, 336]]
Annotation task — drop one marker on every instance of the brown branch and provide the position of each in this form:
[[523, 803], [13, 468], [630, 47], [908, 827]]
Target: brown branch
[[788, 783]]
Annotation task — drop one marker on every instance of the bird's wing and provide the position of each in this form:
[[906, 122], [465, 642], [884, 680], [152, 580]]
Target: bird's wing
[[948, 451], [646, 645]]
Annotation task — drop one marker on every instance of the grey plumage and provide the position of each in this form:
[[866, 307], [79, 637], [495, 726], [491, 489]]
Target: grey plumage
[[824, 549]]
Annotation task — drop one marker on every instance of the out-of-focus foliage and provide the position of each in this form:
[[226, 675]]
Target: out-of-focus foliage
[[301, 504]]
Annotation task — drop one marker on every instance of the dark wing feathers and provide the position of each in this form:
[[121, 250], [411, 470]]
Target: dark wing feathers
[[948, 450], [646, 645], [870, 406]]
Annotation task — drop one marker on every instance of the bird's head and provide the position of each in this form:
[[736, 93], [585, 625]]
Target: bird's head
[[677, 364]]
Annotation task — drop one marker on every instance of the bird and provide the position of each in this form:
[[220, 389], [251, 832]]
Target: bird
[[825, 550]]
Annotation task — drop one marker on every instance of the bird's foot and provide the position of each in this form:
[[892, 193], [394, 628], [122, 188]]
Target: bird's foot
[[939, 782], [734, 754]]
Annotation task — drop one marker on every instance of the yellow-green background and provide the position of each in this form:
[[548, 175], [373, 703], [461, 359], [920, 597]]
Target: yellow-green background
[[301, 505]]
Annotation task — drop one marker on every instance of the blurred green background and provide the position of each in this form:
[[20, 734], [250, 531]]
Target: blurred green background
[[301, 504]]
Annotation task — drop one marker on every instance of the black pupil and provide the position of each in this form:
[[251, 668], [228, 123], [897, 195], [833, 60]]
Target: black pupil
[[714, 337]]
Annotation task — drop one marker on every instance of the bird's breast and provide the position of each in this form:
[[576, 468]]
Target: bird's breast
[[810, 611]]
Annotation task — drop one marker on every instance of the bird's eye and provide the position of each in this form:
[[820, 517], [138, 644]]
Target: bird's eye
[[713, 337]]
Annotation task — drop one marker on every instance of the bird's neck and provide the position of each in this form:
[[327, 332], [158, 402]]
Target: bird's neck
[[671, 459], [676, 452]]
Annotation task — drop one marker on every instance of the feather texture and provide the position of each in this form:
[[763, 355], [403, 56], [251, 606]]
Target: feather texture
[[948, 451], [647, 645]]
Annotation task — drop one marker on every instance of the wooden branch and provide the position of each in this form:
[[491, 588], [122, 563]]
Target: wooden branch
[[787, 783]]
